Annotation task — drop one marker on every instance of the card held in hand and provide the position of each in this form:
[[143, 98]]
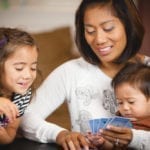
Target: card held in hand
[[120, 122], [102, 123]]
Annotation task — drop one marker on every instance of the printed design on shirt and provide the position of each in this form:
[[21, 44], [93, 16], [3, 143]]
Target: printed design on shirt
[[109, 102], [85, 94], [82, 121]]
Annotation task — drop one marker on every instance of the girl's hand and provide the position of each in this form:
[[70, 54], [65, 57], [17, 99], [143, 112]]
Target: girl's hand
[[120, 136], [72, 140], [8, 133], [8, 108]]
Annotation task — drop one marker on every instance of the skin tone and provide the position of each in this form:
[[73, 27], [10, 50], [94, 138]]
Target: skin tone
[[19, 74], [20, 70], [106, 36], [132, 103], [72, 140], [9, 109]]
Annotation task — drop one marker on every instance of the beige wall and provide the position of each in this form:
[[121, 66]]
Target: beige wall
[[38, 15], [144, 6]]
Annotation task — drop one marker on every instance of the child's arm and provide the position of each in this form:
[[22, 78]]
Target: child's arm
[[8, 133], [8, 108]]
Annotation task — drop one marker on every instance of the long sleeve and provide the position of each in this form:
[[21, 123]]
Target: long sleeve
[[140, 140], [71, 82], [38, 129], [48, 97]]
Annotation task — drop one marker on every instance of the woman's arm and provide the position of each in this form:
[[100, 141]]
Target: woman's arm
[[48, 97], [8, 133]]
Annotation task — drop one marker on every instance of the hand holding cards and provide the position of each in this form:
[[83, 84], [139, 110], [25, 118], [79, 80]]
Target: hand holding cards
[[97, 124]]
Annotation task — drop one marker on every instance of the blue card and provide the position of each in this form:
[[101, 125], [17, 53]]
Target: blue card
[[91, 122], [101, 123], [96, 124], [107, 122], [120, 122], [129, 124]]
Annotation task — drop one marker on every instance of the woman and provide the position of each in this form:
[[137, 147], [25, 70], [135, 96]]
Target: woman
[[108, 34]]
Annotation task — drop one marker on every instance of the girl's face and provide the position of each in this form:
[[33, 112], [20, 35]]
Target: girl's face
[[132, 103], [20, 70], [104, 33]]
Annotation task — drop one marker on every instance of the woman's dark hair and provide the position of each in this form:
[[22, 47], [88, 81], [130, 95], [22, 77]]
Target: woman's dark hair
[[137, 75], [128, 14]]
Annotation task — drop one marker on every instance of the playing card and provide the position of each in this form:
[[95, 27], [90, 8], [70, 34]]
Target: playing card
[[120, 122], [107, 122], [91, 123], [101, 123], [94, 123], [3, 120], [97, 124], [129, 124]]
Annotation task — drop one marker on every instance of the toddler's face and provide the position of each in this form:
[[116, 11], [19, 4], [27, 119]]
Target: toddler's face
[[20, 69], [132, 103]]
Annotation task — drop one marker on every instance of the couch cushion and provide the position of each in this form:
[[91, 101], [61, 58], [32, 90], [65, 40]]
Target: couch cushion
[[55, 48]]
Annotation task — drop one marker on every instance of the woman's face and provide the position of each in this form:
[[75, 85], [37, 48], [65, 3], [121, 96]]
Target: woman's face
[[104, 33]]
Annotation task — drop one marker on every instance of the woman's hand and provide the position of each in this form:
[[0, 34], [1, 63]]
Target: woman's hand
[[72, 140], [8, 108], [120, 136]]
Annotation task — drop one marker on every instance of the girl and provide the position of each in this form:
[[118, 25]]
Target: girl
[[18, 68]]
